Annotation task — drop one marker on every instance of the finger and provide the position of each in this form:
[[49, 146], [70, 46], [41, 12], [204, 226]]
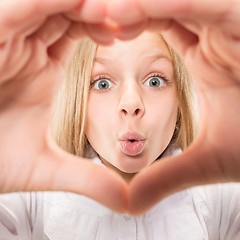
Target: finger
[[126, 12], [165, 9], [102, 33], [171, 175], [158, 25], [221, 14], [205, 49], [53, 29], [130, 32], [175, 33], [127, 32], [9, 62], [29, 11], [76, 31], [181, 9], [213, 158], [85, 178], [91, 11], [180, 38], [62, 51], [35, 51], [56, 170]]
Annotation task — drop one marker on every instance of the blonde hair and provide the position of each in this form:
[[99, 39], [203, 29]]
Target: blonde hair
[[69, 118], [187, 120]]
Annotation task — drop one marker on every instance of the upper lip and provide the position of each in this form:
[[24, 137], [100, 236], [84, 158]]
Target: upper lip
[[132, 136]]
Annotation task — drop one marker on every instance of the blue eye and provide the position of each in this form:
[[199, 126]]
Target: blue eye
[[155, 81], [102, 84]]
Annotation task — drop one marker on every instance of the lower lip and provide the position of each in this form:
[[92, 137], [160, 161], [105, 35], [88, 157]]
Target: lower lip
[[132, 148]]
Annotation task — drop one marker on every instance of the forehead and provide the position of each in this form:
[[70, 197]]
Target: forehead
[[145, 45]]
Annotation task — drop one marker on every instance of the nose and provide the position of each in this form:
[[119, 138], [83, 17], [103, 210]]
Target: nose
[[131, 102]]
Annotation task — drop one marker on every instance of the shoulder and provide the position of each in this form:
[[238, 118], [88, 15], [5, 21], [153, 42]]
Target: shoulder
[[20, 214], [19, 203], [218, 208], [210, 195]]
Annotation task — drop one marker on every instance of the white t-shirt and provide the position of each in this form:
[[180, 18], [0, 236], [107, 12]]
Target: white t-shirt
[[201, 213]]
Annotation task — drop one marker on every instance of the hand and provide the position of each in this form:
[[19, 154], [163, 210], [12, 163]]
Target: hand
[[23, 77], [206, 35], [35, 45]]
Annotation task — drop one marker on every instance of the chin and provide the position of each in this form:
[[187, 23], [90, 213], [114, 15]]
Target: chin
[[134, 164]]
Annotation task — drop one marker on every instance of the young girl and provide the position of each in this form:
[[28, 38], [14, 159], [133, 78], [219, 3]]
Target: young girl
[[124, 106]]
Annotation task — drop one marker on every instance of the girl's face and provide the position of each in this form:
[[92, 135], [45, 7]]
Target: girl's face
[[132, 106]]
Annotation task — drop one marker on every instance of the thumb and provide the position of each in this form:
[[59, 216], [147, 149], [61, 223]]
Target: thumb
[[58, 170], [197, 166]]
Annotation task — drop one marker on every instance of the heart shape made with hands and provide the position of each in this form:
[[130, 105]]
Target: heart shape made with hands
[[193, 28]]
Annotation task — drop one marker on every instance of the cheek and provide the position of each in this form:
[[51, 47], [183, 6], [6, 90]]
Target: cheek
[[99, 116], [164, 116]]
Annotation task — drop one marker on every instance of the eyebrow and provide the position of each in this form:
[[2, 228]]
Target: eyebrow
[[152, 58], [159, 56]]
